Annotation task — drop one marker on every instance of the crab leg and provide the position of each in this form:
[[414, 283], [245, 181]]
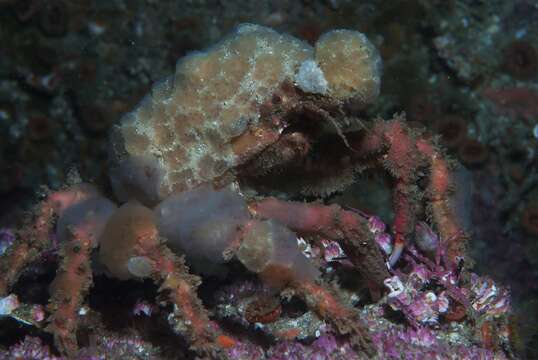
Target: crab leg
[[34, 237], [327, 306], [190, 317], [345, 227], [131, 247], [393, 143], [72, 281], [30, 242], [307, 219], [402, 153], [441, 209], [11, 264]]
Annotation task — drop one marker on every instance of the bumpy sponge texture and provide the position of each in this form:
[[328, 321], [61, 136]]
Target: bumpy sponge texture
[[351, 65], [188, 120], [186, 125]]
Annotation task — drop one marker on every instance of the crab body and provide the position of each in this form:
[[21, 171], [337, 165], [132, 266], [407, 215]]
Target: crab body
[[259, 113]]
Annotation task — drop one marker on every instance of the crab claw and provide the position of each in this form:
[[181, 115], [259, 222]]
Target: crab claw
[[399, 244]]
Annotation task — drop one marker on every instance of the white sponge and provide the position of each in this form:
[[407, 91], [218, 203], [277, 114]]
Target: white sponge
[[310, 78]]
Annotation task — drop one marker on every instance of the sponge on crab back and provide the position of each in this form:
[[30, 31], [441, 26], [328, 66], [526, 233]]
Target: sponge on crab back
[[188, 123], [351, 65]]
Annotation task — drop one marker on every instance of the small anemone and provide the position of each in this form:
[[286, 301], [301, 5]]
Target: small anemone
[[453, 130], [473, 153]]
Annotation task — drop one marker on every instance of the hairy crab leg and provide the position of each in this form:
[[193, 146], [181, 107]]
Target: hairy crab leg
[[131, 247], [12, 263], [31, 240], [74, 276], [72, 281], [328, 307], [190, 317], [34, 237], [349, 229], [441, 208], [403, 152], [396, 146]]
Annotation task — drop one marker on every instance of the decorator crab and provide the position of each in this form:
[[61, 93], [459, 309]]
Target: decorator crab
[[205, 168]]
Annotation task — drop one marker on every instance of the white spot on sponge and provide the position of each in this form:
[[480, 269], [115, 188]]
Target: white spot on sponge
[[8, 304], [310, 78]]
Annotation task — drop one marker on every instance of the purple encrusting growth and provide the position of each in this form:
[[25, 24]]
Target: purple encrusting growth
[[104, 347], [6, 240], [392, 342], [425, 295], [325, 347], [29, 348], [424, 344]]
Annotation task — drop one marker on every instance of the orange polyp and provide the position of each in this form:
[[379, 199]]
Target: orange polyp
[[289, 334], [225, 341]]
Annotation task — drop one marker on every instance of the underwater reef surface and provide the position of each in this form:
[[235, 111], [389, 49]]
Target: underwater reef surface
[[463, 70]]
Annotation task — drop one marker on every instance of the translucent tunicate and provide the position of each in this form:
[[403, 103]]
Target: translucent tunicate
[[201, 223], [137, 177], [271, 249], [89, 216], [130, 228]]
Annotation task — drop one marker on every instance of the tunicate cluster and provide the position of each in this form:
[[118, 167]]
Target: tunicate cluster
[[90, 216], [130, 226], [202, 223], [271, 249]]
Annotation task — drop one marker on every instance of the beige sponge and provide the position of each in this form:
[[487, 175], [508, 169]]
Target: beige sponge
[[351, 65], [184, 131]]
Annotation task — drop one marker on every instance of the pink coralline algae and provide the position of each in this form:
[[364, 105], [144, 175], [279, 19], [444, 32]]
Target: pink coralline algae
[[418, 307], [424, 344], [325, 347], [118, 347], [29, 348], [143, 308], [381, 237], [6, 240], [487, 297], [102, 348]]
